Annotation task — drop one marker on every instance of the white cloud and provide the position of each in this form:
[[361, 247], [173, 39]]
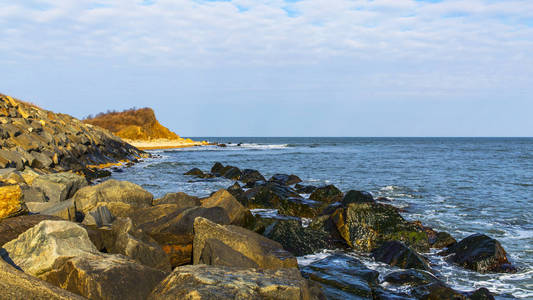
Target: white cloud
[[446, 43]]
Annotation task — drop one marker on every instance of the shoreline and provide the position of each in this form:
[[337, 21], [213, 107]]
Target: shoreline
[[165, 144]]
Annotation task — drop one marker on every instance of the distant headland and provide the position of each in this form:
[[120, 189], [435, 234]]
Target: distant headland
[[140, 128]]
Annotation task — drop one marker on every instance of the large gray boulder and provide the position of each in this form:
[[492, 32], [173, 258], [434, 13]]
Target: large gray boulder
[[215, 282], [234, 245], [36, 250], [66, 210], [59, 186], [112, 190]]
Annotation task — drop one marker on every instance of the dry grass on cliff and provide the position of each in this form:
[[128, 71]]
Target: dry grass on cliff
[[132, 124]]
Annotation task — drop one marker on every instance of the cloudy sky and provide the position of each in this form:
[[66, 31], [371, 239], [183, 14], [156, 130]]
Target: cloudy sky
[[279, 67]]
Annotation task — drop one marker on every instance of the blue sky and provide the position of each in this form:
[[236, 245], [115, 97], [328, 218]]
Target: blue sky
[[278, 67]]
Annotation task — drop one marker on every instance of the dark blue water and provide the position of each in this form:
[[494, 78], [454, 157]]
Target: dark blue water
[[459, 185]]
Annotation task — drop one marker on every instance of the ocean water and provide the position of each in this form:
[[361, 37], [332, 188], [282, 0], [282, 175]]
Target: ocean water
[[459, 185]]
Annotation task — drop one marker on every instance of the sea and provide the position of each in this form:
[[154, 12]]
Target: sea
[[459, 185]]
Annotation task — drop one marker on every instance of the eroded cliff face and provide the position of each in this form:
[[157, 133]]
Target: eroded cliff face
[[133, 124], [31, 137]]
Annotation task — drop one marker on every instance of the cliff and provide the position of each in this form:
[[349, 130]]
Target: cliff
[[133, 124], [140, 128], [32, 137]]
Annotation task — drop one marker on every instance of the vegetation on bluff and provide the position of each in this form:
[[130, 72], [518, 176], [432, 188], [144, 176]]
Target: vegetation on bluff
[[132, 124]]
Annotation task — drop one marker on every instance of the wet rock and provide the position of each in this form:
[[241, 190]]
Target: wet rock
[[180, 199], [285, 199], [112, 190], [93, 174], [480, 253], [175, 234], [442, 240], [304, 189], [285, 179], [11, 228], [194, 172], [15, 284], [480, 294], [11, 202], [59, 186], [297, 239], [250, 176], [236, 212], [357, 197], [342, 277], [327, 194], [217, 282], [233, 173], [217, 168], [410, 277], [397, 254], [104, 277], [366, 226], [36, 250], [252, 247]]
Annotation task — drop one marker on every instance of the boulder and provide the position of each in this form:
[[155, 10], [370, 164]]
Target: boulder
[[357, 197], [241, 243], [194, 172], [305, 189], [174, 232], [217, 168], [236, 212], [104, 277], [112, 190], [297, 239], [33, 194], [218, 282], [11, 201], [250, 175], [41, 160], [181, 199], [342, 277], [11, 176], [480, 253], [59, 186], [366, 226], [123, 238], [100, 216], [327, 194], [15, 284], [65, 210], [36, 250], [149, 214], [411, 277], [283, 198], [11, 228], [397, 254], [285, 179], [11, 159], [231, 172]]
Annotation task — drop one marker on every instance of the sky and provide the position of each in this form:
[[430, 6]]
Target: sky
[[279, 67]]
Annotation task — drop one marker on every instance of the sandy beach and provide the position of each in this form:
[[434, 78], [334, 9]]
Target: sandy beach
[[166, 144]]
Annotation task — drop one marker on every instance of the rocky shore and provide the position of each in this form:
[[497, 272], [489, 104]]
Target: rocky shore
[[65, 236]]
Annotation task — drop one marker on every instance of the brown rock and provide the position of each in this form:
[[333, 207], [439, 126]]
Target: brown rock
[[181, 199], [264, 252], [216, 282], [104, 277], [15, 284], [237, 213], [175, 234], [11, 228]]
